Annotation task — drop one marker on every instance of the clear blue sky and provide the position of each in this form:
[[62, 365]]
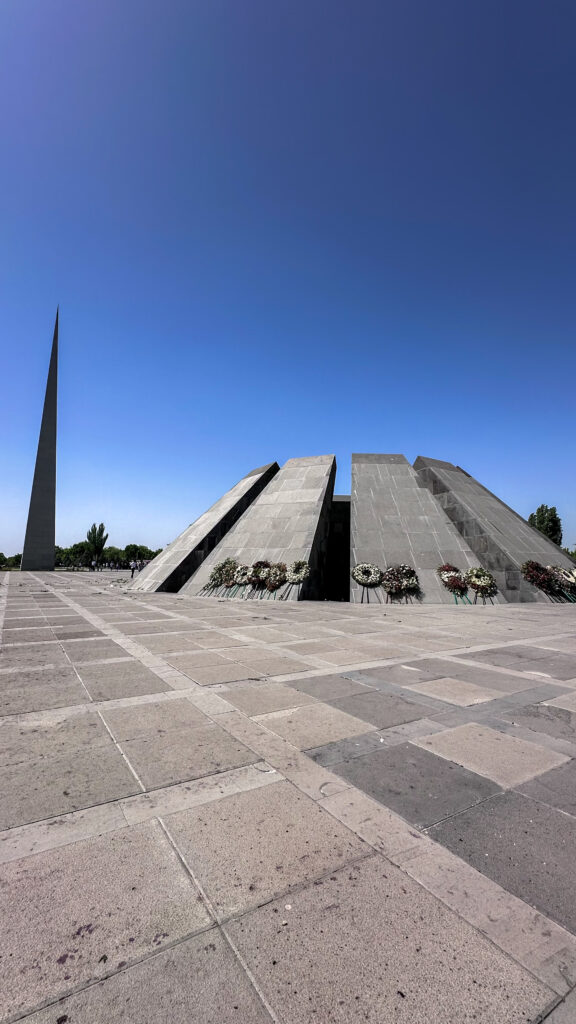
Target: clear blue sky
[[284, 228]]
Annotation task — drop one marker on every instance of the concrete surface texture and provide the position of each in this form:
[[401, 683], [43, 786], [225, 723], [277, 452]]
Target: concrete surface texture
[[39, 541], [499, 537], [394, 520], [287, 522], [216, 811], [172, 568]]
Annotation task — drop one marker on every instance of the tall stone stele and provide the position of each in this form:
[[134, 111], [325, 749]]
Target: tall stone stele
[[40, 540]]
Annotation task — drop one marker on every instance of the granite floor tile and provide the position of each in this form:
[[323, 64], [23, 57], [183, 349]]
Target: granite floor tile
[[505, 759], [259, 698], [23, 636], [550, 721], [93, 650], [57, 784], [381, 710], [556, 788], [160, 989], [99, 905], [339, 954], [188, 662], [166, 643], [31, 656], [455, 691], [313, 725], [329, 687], [526, 847], [163, 759], [417, 785], [565, 700], [26, 692], [116, 679], [249, 847], [155, 717], [34, 737]]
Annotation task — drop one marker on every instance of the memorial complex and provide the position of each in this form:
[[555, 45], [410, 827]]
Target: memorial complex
[[289, 773], [424, 516]]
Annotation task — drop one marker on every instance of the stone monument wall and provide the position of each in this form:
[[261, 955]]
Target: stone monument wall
[[287, 522], [174, 566], [500, 539], [394, 520]]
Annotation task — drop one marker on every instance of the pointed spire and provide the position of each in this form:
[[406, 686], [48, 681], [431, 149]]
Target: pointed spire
[[39, 543]]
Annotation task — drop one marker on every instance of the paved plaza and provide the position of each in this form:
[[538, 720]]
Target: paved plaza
[[234, 812]]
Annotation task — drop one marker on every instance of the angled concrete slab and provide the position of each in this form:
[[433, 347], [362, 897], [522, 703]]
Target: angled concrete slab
[[174, 566], [288, 522], [395, 520], [500, 539]]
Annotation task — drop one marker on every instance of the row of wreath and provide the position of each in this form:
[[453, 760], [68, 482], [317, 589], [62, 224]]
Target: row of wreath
[[261, 579], [555, 581], [400, 581]]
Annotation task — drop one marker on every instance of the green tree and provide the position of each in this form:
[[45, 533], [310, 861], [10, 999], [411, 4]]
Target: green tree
[[138, 551], [79, 553], [14, 561], [96, 539], [112, 554], [548, 522], [2, 558]]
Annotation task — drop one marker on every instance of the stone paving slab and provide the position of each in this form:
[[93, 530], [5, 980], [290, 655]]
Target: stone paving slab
[[32, 790], [153, 717], [30, 656], [92, 650], [328, 687], [525, 846], [91, 913], [160, 989], [381, 710], [313, 725], [50, 733], [333, 952], [119, 679], [551, 721], [556, 788], [36, 691], [455, 691], [259, 698], [223, 842], [417, 785], [506, 760], [154, 709], [162, 759]]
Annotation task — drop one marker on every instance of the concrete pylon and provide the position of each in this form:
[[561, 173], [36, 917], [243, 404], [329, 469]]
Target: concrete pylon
[[39, 543]]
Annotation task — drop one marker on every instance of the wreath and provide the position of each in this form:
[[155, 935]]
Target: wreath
[[481, 581], [223, 573], [242, 575], [276, 577], [454, 580], [367, 575], [298, 572], [539, 576]]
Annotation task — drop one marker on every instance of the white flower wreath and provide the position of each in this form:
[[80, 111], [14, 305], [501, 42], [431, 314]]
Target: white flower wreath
[[298, 572], [367, 575]]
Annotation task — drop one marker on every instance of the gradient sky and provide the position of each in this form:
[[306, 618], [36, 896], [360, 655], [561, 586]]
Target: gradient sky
[[284, 228]]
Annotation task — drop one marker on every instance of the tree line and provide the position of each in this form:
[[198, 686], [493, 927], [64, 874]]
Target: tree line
[[93, 549]]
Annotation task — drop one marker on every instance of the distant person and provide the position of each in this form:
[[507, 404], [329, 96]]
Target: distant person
[[132, 569], [93, 567]]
